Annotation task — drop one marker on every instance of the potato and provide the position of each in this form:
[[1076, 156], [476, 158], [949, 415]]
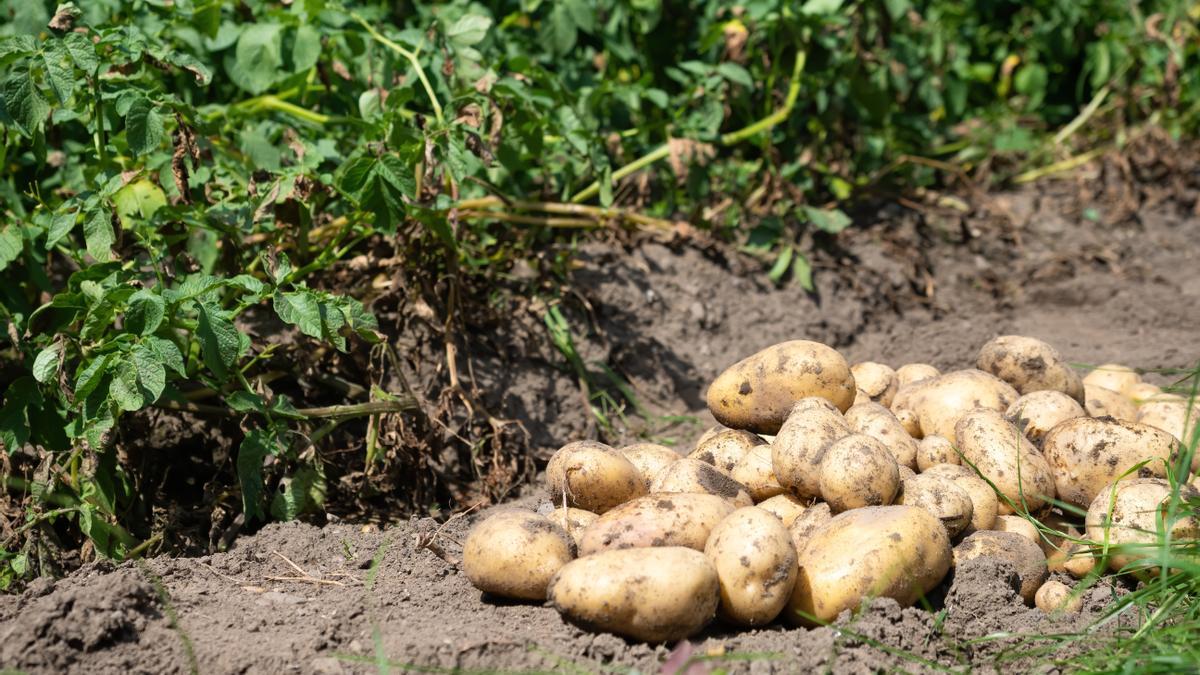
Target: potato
[[1087, 454], [758, 392], [757, 472], [1037, 412], [915, 372], [1019, 525], [1007, 459], [1080, 561], [648, 594], [514, 553], [1173, 417], [905, 473], [1056, 542], [796, 452], [1143, 392], [879, 423], [1130, 514], [939, 402], [947, 470], [592, 476], [1029, 365], [858, 471], [1055, 596], [1101, 402], [813, 519], [1114, 377], [724, 449], [876, 383], [662, 519], [911, 423], [756, 565], [985, 504], [898, 552], [785, 507], [1025, 555], [936, 449], [949, 503], [573, 521], [692, 475], [649, 459]]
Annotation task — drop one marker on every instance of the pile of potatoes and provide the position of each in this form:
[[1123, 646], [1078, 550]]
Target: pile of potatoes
[[826, 484]]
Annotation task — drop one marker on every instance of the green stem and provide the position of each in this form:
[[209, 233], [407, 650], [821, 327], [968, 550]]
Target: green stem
[[401, 403], [18, 484], [412, 59], [731, 138]]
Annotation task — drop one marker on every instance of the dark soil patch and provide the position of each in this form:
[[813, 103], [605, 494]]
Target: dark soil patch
[[915, 286]]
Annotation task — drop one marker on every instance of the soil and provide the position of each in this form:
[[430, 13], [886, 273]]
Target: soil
[[1101, 281]]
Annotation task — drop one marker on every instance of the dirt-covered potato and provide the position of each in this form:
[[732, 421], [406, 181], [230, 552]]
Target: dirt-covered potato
[[514, 553], [661, 519], [949, 503], [592, 476], [915, 372], [858, 471], [798, 448], [1037, 412], [1130, 514], [1102, 402], [1055, 596], [939, 402], [1087, 454], [757, 472], [649, 459], [911, 423], [1018, 525], [899, 552], [758, 392], [1025, 555], [649, 594], [879, 423], [724, 449], [905, 472], [573, 521], [813, 519], [1005, 457], [1114, 377], [756, 565], [1029, 365], [933, 450], [1174, 417], [785, 507], [985, 504], [692, 475], [876, 383]]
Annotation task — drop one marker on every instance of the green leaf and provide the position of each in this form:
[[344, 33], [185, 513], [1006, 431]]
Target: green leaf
[[560, 30], [206, 17], [244, 402], [468, 30], [258, 57], [152, 375], [781, 264], [193, 65], [303, 492], [11, 244], [144, 129], [379, 185], [61, 225], [736, 74], [829, 220], [821, 6], [139, 199], [45, 366], [802, 270], [82, 51], [124, 389], [306, 50], [60, 75], [220, 345], [257, 444], [166, 352], [98, 234], [583, 14], [23, 101], [89, 377], [145, 312]]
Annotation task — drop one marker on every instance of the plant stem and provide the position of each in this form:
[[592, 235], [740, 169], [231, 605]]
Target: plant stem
[[412, 59], [731, 138], [476, 208], [547, 221], [18, 484], [402, 403]]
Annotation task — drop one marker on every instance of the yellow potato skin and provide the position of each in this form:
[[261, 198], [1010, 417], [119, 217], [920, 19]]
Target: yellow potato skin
[[514, 553], [1029, 365], [756, 566], [985, 505], [647, 594], [915, 372], [949, 503], [663, 519], [1055, 596], [858, 471], [649, 459], [1114, 377], [1087, 454], [1018, 525], [1103, 402], [1025, 555], [933, 450], [1173, 417], [1131, 513], [1038, 412], [757, 472], [785, 507], [814, 518], [876, 421], [899, 552], [876, 383], [573, 521], [1004, 456], [592, 476], [798, 448], [940, 402], [724, 449], [758, 392], [692, 475]]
